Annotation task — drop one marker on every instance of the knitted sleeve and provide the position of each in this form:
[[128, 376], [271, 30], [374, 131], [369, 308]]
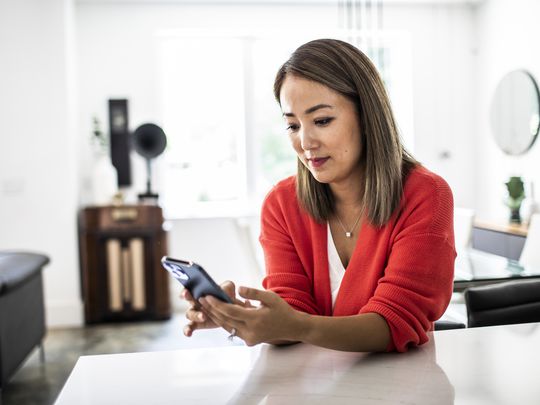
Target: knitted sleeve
[[285, 274], [418, 279]]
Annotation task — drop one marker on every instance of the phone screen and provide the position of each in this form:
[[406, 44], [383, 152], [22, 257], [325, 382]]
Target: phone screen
[[194, 278]]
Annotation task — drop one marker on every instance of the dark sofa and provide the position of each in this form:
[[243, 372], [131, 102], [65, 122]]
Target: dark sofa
[[22, 314]]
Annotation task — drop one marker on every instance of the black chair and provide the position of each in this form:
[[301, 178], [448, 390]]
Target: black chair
[[447, 325], [505, 303], [22, 314]]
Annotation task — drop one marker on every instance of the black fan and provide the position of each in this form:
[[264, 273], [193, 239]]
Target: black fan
[[149, 141]]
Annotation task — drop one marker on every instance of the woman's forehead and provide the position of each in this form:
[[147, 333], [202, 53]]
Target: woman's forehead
[[298, 94]]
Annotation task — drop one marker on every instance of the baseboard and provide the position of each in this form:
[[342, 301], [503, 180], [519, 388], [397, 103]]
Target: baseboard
[[64, 314]]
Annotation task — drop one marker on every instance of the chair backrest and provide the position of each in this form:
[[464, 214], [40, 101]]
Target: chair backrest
[[505, 303], [530, 255], [447, 325], [463, 224]]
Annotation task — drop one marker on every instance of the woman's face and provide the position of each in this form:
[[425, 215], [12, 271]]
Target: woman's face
[[324, 129]]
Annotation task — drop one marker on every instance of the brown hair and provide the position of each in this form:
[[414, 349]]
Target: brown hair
[[346, 70]]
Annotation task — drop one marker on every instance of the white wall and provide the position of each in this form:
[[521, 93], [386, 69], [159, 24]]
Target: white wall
[[508, 33], [38, 170], [444, 72]]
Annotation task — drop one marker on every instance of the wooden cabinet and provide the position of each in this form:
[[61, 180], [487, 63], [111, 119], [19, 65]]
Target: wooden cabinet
[[500, 239], [121, 274]]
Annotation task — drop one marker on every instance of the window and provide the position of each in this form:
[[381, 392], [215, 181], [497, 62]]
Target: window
[[227, 143]]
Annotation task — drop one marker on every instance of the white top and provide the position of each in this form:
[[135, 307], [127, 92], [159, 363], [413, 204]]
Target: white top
[[490, 365], [335, 267]]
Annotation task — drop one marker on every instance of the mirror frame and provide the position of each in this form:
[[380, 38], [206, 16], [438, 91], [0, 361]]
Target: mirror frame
[[532, 136]]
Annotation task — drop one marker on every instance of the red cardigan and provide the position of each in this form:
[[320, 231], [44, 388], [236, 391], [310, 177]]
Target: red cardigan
[[403, 271]]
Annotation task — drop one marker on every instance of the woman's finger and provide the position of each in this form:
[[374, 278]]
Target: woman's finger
[[229, 288], [185, 294], [211, 320], [216, 306], [221, 318], [188, 329], [195, 316], [216, 317], [200, 318], [191, 327], [265, 297]]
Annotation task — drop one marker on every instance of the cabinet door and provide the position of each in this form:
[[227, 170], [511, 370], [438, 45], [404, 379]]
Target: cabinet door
[[121, 273], [499, 243]]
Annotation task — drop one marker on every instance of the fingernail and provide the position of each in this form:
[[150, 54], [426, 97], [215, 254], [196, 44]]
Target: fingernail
[[201, 317]]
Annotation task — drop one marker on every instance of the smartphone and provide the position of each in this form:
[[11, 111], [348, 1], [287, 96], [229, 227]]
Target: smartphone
[[194, 278]]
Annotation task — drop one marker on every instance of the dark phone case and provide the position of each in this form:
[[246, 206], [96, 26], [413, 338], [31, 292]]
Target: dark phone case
[[194, 278]]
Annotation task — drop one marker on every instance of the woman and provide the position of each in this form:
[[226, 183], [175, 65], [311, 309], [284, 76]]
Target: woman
[[359, 246]]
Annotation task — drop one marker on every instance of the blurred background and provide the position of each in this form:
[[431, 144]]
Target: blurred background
[[203, 71]]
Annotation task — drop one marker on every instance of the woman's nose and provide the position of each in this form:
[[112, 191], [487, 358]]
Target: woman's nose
[[307, 141]]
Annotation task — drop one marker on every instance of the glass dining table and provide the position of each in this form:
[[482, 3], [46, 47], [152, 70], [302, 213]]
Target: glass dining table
[[475, 267]]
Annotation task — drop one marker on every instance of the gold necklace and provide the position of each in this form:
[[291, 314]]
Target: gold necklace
[[348, 234]]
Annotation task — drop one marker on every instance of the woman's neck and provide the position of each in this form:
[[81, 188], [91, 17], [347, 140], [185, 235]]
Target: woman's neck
[[348, 194]]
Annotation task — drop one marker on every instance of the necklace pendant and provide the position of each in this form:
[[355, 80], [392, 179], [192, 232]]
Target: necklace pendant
[[348, 234]]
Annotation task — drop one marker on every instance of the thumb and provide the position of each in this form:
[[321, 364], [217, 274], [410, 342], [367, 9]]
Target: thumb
[[265, 297], [229, 288]]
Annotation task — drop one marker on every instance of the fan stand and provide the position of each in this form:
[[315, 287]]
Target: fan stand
[[148, 196]]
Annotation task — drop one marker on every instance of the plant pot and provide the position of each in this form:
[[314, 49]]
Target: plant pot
[[515, 217]]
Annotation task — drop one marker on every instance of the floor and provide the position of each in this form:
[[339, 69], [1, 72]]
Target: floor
[[39, 384]]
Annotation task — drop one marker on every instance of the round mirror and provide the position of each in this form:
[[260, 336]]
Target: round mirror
[[515, 112]]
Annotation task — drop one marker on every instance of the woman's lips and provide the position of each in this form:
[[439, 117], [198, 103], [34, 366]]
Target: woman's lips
[[318, 162]]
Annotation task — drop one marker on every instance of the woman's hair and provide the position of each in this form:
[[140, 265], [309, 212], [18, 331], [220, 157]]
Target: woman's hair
[[346, 70]]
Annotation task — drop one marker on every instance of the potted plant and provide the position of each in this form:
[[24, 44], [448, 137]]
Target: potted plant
[[516, 194], [104, 175]]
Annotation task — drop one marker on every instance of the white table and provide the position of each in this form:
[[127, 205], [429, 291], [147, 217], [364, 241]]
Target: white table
[[492, 365]]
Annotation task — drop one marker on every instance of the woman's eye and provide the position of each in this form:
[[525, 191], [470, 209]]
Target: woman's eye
[[292, 127], [324, 121]]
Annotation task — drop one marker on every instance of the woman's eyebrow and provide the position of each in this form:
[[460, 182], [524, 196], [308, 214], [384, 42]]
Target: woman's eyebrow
[[309, 110]]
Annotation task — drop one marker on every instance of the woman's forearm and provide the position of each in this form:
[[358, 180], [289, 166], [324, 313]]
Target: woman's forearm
[[357, 333]]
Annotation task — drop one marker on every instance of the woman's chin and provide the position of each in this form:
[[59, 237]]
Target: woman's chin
[[321, 177]]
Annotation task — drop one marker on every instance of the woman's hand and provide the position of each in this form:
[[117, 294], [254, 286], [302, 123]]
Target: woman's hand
[[198, 317], [273, 321]]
